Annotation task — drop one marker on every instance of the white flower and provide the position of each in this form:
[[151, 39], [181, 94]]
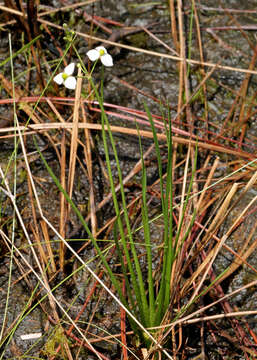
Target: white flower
[[100, 52], [65, 77]]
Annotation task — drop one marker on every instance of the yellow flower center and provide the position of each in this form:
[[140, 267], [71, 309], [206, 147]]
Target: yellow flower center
[[101, 52], [65, 76]]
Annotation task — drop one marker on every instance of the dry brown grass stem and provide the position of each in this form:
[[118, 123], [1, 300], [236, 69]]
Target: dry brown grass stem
[[201, 54], [183, 196], [183, 74], [159, 41], [74, 136], [196, 313], [35, 227], [11, 11], [206, 185], [63, 205], [221, 316], [238, 257], [7, 23], [247, 187], [67, 7], [50, 258], [48, 12], [211, 256], [39, 245], [153, 53], [221, 212], [128, 131], [173, 22]]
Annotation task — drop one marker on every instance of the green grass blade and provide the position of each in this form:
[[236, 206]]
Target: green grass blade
[[147, 237], [24, 48], [168, 220], [123, 267]]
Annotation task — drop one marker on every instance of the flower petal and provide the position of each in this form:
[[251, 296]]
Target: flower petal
[[69, 69], [58, 79], [70, 83], [107, 60], [93, 54], [99, 48]]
